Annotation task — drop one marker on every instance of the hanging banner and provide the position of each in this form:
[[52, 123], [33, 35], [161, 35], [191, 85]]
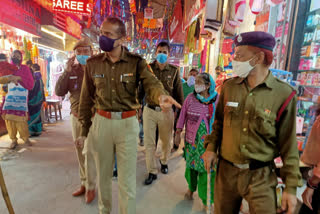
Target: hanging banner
[[21, 14], [83, 7], [192, 8], [133, 7], [176, 32], [262, 19]]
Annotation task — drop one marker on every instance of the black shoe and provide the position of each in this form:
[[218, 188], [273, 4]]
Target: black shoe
[[164, 168], [150, 179], [141, 143], [115, 173]]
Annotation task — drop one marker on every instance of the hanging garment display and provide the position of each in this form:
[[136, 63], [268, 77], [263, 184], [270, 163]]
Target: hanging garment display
[[230, 20], [256, 6], [240, 8], [213, 18]]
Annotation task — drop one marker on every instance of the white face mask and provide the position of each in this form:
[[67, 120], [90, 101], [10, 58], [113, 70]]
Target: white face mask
[[242, 69], [199, 88]]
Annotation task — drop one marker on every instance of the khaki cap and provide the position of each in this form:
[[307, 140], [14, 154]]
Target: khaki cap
[[83, 42]]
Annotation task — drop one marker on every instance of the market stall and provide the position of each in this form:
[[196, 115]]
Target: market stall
[[17, 31]]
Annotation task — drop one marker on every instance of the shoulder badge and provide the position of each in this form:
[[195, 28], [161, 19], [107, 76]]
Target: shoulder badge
[[239, 39], [149, 68]]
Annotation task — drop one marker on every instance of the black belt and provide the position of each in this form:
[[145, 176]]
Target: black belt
[[155, 108], [253, 165]]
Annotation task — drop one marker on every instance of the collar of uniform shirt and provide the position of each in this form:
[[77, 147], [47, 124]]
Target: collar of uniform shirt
[[77, 67], [157, 66], [269, 82], [123, 57]]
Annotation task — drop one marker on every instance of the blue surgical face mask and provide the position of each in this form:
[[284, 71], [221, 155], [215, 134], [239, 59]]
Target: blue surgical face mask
[[162, 58], [82, 59]]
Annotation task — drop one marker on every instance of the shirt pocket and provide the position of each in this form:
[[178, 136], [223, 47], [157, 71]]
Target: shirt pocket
[[169, 82], [100, 83], [128, 85], [265, 122], [73, 83], [230, 114]]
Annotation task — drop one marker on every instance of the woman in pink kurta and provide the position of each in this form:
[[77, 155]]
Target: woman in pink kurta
[[311, 156], [17, 120], [197, 116]]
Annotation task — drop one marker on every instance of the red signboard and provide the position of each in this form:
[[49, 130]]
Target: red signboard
[[175, 30], [192, 8], [67, 24], [22, 14], [83, 7]]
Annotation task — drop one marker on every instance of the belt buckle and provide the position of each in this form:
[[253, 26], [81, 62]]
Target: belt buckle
[[116, 115], [158, 108], [242, 166]]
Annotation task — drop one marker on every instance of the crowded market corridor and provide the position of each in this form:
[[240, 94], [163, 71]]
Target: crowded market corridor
[[40, 179]]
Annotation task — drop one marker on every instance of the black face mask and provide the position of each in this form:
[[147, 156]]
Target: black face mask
[[16, 61]]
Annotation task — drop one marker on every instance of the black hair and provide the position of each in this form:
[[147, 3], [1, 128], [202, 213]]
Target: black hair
[[36, 67], [206, 78], [194, 70], [164, 44], [219, 68], [3, 56], [122, 31], [29, 62], [17, 51]]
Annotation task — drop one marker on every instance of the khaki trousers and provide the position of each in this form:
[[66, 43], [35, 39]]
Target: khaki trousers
[[165, 123], [120, 138], [87, 168], [232, 184], [14, 127]]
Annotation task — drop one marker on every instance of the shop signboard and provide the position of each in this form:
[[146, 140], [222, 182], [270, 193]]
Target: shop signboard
[[67, 24], [192, 8], [21, 14], [148, 13], [83, 7], [175, 29]]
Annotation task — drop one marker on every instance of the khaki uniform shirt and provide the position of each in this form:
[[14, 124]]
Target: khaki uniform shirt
[[170, 78], [113, 86], [245, 126], [71, 82]]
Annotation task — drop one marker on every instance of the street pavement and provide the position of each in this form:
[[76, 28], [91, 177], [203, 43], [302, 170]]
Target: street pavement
[[40, 179]]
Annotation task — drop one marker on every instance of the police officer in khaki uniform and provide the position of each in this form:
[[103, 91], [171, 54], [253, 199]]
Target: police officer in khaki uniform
[[154, 118], [110, 85], [71, 81], [255, 122]]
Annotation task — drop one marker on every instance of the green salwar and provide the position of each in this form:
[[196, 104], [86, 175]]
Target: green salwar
[[195, 173]]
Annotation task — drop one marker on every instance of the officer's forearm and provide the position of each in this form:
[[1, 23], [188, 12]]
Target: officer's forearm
[[61, 88], [290, 172], [85, 129]]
